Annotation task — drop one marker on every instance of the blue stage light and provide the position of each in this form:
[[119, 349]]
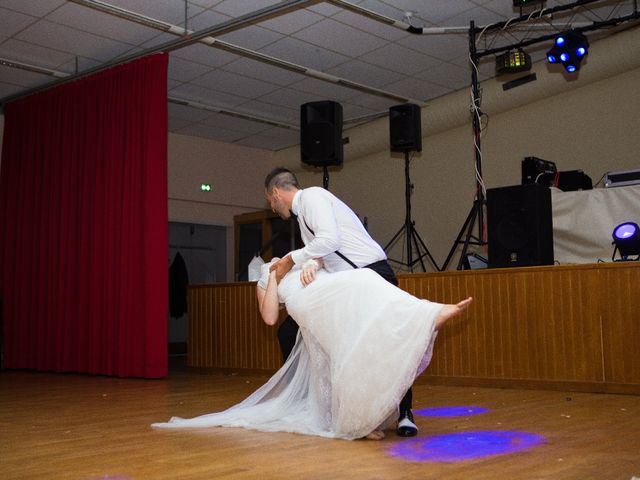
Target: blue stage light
[[625, 231], [569, 48], [626, 238], [458, 411], [462, 446]]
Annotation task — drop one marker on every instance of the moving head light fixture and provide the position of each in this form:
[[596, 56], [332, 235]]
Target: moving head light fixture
[[569, 48], [513, 62]]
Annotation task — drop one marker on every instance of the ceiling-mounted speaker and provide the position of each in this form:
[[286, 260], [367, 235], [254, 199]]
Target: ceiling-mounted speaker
[[321, 133], [405, 129]]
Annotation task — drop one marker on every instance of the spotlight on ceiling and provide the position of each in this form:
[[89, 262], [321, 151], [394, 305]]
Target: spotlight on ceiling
[[513, 62], [626, 238], [569, 48]]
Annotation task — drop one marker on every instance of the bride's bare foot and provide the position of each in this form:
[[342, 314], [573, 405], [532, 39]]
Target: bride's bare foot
[[375, 435], [449, 311]]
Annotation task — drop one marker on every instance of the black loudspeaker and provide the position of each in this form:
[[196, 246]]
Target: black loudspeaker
[[520, 226], [537, 170], [405, 131], [321, 133]]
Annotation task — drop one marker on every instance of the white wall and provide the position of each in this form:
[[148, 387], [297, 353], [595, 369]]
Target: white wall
[[235, 173], [590, 123]]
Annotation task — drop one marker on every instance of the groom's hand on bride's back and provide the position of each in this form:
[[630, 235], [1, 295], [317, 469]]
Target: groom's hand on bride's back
[[282, 267], [309, 269]]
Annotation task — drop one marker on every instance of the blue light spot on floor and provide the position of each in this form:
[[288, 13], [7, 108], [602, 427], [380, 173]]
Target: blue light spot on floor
[[461, 446], [461, 411]]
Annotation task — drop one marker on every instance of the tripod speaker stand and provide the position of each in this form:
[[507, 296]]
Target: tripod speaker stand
[[412, 238]]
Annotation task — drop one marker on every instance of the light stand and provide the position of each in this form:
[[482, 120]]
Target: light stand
[[325, 177], [477, 209], [411, 236]]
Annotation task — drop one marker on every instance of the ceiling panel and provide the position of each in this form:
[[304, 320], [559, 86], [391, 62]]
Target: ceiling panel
[[34, 54], [340, 38], [184, 70], [208, 96], [418, 89], [366, 73], [206, 55], [98, 23], [292, 22], [59, 37], [235, 8], [441, 46], [219, 120], [205, 19], [368, 25], [305, 54], [186, 113], [280, 113], [228, 82], [253, 37], [36, 8], [258, 70], [291, 98], [400, 59], [22, 78], [13, 22], [321, 38], [169, 11], [324, 89]]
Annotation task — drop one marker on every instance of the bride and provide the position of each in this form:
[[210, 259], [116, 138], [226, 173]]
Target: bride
[[362, 342]]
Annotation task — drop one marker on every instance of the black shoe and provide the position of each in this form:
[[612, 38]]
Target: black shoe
[[406, 426]]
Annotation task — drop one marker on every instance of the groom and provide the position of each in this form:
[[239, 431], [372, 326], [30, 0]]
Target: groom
[[332, 231]]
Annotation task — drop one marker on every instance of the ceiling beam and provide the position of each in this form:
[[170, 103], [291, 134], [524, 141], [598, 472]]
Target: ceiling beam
[[219, 29], [242, 51], [408, 27], [175, 100]]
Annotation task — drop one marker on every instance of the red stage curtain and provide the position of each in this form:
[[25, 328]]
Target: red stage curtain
[[83, 231]]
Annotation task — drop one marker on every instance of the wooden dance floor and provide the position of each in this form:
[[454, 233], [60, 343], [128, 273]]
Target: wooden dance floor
[[57, 426]]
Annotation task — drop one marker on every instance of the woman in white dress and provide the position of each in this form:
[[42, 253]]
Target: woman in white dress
[[361, 344]]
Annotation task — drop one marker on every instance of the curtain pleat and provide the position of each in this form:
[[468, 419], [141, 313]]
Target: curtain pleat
[[83, 231]]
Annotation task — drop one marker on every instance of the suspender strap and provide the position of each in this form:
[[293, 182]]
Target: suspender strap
[[336, 252]]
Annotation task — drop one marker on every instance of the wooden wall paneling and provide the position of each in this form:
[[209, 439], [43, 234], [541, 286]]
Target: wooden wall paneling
[[574, 327], [621, 324], [226, 331]]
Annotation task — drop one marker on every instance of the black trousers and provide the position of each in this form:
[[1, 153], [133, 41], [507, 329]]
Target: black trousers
[[288, 329]]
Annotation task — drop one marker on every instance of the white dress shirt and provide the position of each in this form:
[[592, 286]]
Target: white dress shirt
[[335, 227]]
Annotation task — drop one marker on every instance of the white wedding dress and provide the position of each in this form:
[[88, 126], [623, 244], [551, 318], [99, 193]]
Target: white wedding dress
[[361, 344]]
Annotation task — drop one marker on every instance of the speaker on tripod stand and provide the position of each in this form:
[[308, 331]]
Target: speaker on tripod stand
[[321, 135], [405, 135]]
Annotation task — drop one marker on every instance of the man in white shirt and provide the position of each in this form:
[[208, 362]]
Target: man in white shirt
[[332, 231]]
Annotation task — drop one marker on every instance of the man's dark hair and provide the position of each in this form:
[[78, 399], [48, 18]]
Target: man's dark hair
[[280, 178]]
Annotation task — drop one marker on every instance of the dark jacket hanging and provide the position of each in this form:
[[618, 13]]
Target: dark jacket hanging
[[178, 281]]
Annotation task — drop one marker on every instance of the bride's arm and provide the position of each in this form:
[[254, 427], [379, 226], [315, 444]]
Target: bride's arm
[[268, 300]]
